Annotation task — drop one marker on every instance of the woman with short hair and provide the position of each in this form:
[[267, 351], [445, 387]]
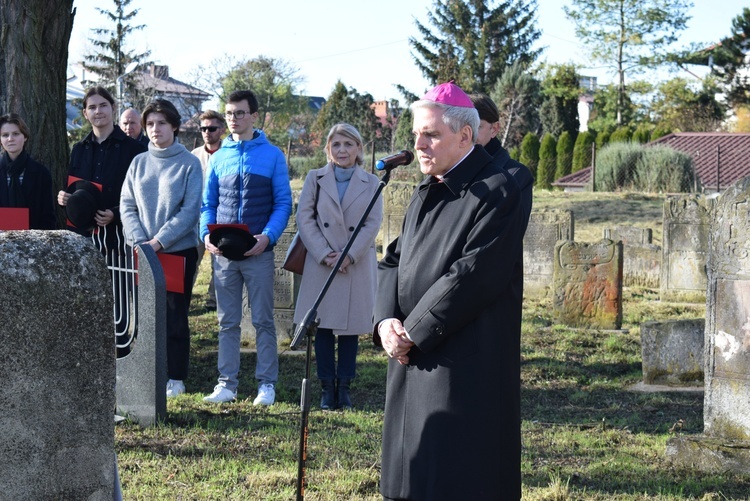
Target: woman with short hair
[[160, 206]]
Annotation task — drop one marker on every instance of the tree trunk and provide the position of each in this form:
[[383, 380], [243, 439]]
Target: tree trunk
[[34, 36]]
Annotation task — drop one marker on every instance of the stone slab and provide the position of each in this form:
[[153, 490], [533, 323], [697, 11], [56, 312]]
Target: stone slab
[[672, 352]]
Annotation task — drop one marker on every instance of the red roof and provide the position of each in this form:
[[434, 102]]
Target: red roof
[[723, 152], [727, 152]]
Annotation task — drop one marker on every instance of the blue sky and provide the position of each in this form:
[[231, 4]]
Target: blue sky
[[364, 44]]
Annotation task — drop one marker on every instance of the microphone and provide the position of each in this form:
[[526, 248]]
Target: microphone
[[404, 157]]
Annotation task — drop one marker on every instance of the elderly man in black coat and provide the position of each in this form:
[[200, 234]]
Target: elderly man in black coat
[[447, 315]]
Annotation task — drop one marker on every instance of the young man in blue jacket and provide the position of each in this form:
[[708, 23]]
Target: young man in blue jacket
[[247, 182]]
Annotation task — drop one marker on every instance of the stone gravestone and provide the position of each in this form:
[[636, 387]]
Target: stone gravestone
[[725, 443], [546, 228], [396, 197], [587, 284], [672, 352], [641, 261], [142, 374], [685, 248], [57, 395]]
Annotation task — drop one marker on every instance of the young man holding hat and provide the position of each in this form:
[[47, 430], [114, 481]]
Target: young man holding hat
[[452, 427], [247, 182]]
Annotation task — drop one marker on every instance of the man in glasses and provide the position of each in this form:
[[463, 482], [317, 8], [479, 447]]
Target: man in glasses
[[212, 127], [247, 182]]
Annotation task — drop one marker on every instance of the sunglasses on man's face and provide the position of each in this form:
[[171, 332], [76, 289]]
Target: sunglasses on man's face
[[212, 128]]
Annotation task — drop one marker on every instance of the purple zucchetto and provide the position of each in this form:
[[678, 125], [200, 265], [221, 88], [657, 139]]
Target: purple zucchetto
[[450, 94]]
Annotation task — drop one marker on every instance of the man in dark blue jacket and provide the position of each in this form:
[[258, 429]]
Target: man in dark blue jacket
[[247, 182]]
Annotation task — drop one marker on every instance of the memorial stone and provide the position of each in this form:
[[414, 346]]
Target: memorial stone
[[57, 333], [545, 229], [396, 199], [587, 284], [672, 352], [685, 248], [725, 443], [641, 258]]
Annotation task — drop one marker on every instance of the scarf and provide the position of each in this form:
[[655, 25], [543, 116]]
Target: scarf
[[15, 169]]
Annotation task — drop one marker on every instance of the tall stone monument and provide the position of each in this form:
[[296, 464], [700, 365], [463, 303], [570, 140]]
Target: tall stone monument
[[57, 395], [546, 228], [685, 248], [725, 443], [587, 284]]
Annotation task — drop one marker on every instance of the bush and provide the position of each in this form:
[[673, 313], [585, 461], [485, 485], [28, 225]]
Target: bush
[[564, 155], [621, 135], [300, 166], [633, 167], [660, 131], [642, 134], [515, 153], [530, 152], [602, 138], [547, 162], [582, 151]]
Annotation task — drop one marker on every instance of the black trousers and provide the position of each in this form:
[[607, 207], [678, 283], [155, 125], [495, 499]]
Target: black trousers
[[178, 331]]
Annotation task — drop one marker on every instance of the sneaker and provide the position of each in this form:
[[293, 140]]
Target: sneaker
[[221, 394], [175, 387], [266, 395]]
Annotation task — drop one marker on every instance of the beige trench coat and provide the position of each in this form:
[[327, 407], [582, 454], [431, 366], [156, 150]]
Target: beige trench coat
[[348, 304]]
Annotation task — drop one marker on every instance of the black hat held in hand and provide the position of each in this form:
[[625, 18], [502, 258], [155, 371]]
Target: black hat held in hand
[[232, 241], [85, 199]]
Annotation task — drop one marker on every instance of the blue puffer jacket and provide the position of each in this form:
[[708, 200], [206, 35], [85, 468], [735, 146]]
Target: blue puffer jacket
[[247, 182]]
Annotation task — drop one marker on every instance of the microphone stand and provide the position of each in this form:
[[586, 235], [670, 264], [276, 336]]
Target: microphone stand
[[307, 329]]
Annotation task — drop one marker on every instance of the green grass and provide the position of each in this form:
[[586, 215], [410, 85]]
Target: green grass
[[586, 436]]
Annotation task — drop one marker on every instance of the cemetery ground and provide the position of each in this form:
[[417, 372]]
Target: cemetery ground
[[586, 434]]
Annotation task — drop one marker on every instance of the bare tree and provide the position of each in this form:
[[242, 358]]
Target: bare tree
[[34, 36]]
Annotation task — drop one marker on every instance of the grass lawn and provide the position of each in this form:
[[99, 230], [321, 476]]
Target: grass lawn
[[586, 436]]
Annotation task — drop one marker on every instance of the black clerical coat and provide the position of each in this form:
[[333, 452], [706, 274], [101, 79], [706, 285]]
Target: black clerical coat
[[452, 417]]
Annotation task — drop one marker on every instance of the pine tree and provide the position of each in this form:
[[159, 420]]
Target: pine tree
[[530, 152], [582, 151], [111, 57], [517, 96], [561, 89], [564, 154], [348, 106], [547, 162], [472, 41]]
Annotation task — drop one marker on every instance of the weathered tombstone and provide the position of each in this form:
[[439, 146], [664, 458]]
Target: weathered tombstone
[[395, 202], [672, 352], [58, 368], [725, 443], [142, 374], [587, 284], [685, 248], [545, 229], [641, 261]]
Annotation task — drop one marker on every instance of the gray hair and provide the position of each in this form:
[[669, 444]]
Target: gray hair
[[455, 117]]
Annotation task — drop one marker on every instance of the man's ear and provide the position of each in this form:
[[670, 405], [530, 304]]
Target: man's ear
[[494, 129], [466, 136]]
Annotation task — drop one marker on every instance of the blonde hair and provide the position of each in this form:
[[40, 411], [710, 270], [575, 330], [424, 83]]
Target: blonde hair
[[350, 132]]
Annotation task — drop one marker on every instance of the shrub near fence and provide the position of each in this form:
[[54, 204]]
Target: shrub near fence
[[633, 167]]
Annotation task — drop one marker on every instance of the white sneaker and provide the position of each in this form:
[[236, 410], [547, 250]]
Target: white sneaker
[[221, 394], [266, 395], [175, 387]]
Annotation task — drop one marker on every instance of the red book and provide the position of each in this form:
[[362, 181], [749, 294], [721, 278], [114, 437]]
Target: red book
[[174, 271], [14, 218]]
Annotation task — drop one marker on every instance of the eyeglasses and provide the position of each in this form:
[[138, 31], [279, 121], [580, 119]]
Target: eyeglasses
[[212, 128], [239, 115]]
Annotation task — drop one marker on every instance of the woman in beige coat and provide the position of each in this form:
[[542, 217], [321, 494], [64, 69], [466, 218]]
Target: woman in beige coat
[[331, 204]]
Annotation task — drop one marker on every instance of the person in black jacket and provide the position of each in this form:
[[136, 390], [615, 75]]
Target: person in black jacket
[[24, 182], [103, 157]]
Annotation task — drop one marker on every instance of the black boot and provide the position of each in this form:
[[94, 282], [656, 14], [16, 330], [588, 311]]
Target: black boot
[[344, 401], [327, 395]]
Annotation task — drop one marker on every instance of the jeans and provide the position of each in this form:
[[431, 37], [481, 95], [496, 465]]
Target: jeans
[[325, 352], [256, 274]]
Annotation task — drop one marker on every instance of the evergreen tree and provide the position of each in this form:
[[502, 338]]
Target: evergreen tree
[[621, 135], [628, 35], [473, 41], [660, 130], [351, 107], [111, 56], [547, 162], [642, 134], [582, 151], [561, 89], [602, 138], [516, 95], [530, 152], [564, 154]]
